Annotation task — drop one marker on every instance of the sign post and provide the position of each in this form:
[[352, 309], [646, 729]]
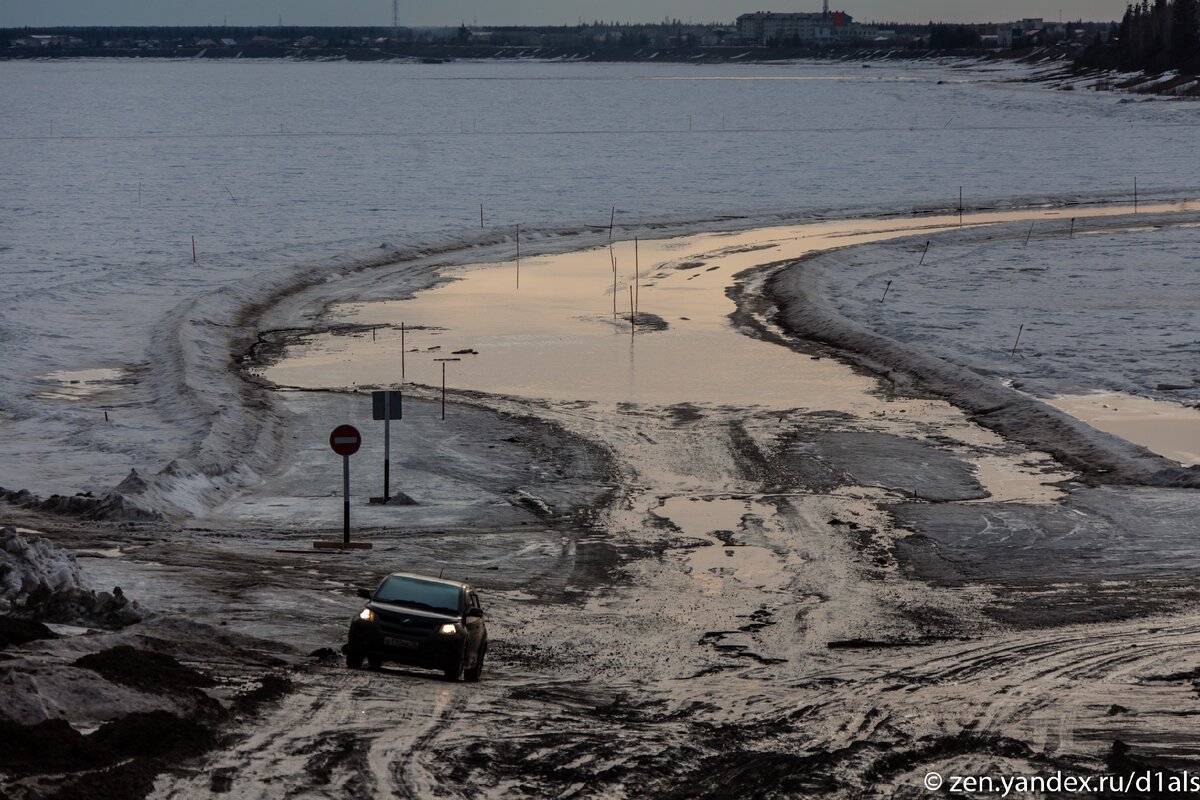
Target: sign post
[[345, 441], [384, 406]]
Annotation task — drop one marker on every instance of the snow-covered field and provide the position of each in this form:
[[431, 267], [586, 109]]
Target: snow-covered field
[[276, 168]]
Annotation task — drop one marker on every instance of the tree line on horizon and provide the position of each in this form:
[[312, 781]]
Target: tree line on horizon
[[1154, 37]]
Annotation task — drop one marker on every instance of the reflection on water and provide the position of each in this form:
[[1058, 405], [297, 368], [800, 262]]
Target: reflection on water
[[565, 333]]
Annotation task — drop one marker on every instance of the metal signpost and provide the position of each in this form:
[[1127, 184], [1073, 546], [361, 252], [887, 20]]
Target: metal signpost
[[384, 406], [345, 441]]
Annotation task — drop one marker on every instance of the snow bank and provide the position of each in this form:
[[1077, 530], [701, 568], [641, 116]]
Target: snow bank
[[113, 506], [40, 580]]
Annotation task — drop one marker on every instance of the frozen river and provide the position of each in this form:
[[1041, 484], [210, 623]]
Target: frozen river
[[111, 167]]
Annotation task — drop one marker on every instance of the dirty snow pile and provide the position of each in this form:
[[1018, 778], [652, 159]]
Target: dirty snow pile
[[40, 580]]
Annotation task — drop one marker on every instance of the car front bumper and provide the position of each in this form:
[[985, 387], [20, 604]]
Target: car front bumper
[[436, 650]]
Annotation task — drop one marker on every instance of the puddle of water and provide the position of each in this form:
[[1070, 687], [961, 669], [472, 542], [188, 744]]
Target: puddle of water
[[1008, 480], [111, 552], [565, 334], [1169, 429], [71, 385], [700, 517], [63, 629], [711, 565]]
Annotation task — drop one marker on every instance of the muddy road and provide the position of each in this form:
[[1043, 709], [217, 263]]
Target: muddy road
[[716, 561]]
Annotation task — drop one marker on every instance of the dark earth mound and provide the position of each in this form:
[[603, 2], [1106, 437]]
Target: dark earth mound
[[15, 631]]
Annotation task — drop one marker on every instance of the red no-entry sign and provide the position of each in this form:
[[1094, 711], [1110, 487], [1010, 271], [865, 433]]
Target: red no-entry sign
[[345, 440]]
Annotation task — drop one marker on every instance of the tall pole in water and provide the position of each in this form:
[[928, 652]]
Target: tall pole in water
[[395, 19]]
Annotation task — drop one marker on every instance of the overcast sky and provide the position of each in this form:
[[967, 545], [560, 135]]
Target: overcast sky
[[515, 12]]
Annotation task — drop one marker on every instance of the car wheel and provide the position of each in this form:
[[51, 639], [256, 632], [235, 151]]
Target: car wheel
[[375, 662], [476, 672], [456, 671], [354, 657]]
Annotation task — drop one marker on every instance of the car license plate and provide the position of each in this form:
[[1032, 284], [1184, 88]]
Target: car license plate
[[392, 641]]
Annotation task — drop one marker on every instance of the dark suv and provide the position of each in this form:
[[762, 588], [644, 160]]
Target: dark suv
[[422, 622]]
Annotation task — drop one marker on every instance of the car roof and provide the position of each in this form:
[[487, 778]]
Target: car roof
[[430, 578]]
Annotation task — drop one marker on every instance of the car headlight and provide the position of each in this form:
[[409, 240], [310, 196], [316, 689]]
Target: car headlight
[[448, 629], [367, 614]]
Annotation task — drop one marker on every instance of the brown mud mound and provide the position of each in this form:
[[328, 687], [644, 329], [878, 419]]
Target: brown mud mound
[[16, 631], [121, 759], [144, 670]]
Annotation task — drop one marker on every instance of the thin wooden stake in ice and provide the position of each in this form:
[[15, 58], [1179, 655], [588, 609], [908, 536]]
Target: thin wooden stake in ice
[[1028, 234], [637, 286], [886, 289], [632, 319], [1072, 228], [613, 260], [518, 256], [1135, 196], [924, 254], [612, 218], [481, 215], [193, 249], [443, 390], [402, 352], [960, 207], [1018, 341]]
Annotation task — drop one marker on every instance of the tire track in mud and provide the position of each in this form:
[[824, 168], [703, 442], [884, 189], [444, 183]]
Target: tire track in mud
[[341, 733]]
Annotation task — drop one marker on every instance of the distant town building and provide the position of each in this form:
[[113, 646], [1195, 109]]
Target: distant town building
[[46, 40], [803, 27], [1028, 32]]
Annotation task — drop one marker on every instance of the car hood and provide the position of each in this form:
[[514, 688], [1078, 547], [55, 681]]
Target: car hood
[[421, 614]]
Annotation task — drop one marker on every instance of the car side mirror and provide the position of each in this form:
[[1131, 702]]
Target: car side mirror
[[474, 612], [364, 593]]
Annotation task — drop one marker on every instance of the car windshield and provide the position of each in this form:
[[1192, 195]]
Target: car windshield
[[442, 598]]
